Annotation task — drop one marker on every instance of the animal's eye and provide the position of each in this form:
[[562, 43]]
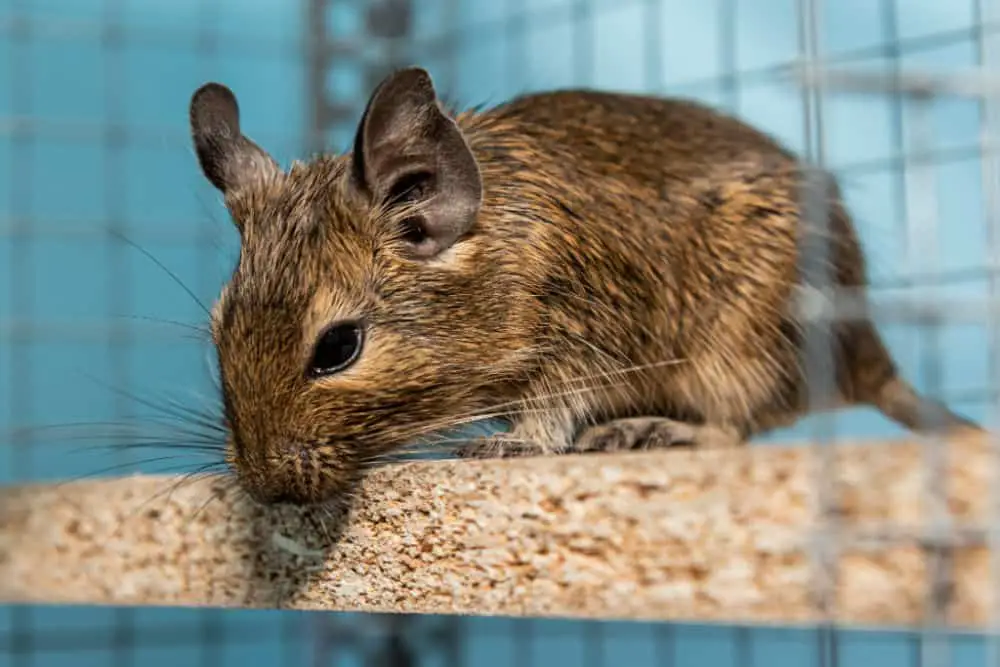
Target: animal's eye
[[337, 348]]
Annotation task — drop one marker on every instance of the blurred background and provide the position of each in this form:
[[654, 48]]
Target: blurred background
[[94, 147]]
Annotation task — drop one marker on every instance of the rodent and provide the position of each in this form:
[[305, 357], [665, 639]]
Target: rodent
[[506, 261]]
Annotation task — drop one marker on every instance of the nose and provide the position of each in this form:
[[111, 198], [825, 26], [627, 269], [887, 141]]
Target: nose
[[286, 497], [280, 489], [293, 450], [289, 475]]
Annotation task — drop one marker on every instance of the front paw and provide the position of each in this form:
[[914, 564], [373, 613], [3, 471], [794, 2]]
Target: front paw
[[636, 433], [497, 447], [639, 433]]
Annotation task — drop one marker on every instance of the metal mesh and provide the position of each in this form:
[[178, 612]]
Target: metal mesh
[[94, 149]]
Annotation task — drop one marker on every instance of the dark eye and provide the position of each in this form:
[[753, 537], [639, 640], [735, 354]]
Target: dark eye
[[337, 348]]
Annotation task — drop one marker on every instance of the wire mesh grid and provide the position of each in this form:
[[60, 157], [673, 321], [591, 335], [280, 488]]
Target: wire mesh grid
[[92, 127]]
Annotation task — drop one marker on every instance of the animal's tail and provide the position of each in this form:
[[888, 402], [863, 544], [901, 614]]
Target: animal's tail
[[874, 379], [866, 372], [899, 401]]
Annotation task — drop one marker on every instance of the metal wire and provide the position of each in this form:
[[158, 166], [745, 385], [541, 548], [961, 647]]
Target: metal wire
[[987, 12], [818, 341], [20, 377], [388, 24], [921, 246]]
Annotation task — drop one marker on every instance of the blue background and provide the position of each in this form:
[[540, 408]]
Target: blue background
[[67, 288]]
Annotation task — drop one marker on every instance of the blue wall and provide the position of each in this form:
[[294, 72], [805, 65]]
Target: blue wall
[[76, 287]]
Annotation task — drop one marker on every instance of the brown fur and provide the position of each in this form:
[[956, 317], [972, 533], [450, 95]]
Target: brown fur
[[614, 232]]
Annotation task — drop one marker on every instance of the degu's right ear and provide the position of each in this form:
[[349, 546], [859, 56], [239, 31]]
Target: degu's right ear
[[407, 149], [228, 159]]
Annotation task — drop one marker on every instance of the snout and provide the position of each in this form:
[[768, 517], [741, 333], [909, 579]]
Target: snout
[[294, 473]]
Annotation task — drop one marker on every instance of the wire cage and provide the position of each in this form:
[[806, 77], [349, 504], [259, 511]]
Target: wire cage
[[112, 245]]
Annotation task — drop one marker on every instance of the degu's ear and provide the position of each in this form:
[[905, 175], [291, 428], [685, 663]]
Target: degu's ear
[[229, 160], [408, 150]]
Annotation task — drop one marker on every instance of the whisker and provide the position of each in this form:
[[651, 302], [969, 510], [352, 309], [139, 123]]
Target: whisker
[[630, 369], [188, 416], [189, 478], [501, 410], [333, 519], [212, 374], [117, 467], [173, 436], [193, 475], [152, 444], [125, 444], [164, 432], [392, 457], [211, 497], [133, 421], [192, 416], [206, 421], [318, 524], [173, 323], [116, 427], [171, 274], [384, 459]]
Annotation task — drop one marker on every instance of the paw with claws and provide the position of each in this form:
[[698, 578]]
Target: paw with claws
[[642, 433], [619, 435], [497, 447]]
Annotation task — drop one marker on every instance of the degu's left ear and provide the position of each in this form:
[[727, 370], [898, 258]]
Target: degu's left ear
[[407, 149], [228, 159]]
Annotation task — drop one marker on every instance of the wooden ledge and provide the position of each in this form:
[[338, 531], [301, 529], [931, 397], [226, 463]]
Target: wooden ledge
[[689, 536]]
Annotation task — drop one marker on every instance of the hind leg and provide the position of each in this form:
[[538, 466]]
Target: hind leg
[[637, 433]]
